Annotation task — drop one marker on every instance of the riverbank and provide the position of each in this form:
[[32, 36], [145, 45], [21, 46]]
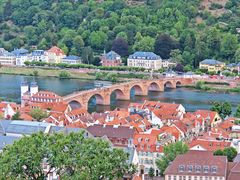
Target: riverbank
[[44, 72], [68, 73], [211, 87]]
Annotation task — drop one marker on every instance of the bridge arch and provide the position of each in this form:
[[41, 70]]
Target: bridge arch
[[168, 84], [178, 84], [138, 90], [97, 98], [119, 94], [74, 104], [153, 86]]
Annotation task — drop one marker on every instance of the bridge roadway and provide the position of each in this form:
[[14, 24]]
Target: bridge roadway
[[122, 90]]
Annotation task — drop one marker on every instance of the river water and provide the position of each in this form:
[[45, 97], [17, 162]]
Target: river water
[[190, 99]]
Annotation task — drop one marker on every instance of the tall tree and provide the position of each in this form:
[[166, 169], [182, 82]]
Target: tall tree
[[222, 108], [87, 55], [145, 44], [230, 152], [170, 153], [38, 114], [237, 114], [164, 44], [120, 46], [70, 156]]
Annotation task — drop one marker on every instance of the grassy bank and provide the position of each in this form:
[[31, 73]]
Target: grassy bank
[[204, 86], [43, 72]]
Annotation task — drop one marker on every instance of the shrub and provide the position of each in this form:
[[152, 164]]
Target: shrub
[[64, 75]]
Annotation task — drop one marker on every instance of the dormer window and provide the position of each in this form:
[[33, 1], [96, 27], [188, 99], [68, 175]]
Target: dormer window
[[214, 169], [205, 169], [198, 169], [190, 168], [181, 168]]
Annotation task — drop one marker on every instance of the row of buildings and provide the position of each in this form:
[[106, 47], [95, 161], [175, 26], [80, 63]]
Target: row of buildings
[[212, 65], [142, 129], [18, 57]]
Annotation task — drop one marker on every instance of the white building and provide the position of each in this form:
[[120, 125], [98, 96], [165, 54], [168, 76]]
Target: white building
[[148, 60], [22, 56], [71, 60], [7, 58], [38, 55]]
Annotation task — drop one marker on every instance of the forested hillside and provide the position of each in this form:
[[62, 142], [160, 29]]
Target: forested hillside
[[183, 29]]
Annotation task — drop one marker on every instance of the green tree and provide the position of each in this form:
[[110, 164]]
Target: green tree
[[98, 40], [120, 46], [237, 114], [164, 44], [151, 172], [229, 46], [145, 44], [70, 156], [38, 114], [230, 152], [87, 55], [222, 108], [16, 116], [64, 75], [170, 153]]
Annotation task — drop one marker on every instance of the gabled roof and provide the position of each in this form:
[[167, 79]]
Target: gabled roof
[[38, 52], [144, 55], [19, 52], [111, 131], [198, 160], [210, 145], [71, 57], [211, 62], [111, 55], [56, 50]]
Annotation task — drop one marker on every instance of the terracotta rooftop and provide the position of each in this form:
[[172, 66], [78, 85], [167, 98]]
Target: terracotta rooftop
[[200, 163], [111, 131]]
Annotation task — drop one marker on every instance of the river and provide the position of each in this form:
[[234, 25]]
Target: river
[[190, 99]]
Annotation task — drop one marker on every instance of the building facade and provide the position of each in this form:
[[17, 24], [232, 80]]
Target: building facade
[[7, 58], [111, 59], [147, 60], [197, 165], [71, 60], [55, 55], [22, 55], [211, 65]]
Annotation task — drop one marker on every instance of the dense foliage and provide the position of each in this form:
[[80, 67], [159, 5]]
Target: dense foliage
[[170, 153], [224, 109], [69, 156], [85, 27], [230, 152]]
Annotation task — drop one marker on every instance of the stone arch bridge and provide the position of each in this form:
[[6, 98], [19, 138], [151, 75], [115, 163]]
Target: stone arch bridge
[[122, 90]]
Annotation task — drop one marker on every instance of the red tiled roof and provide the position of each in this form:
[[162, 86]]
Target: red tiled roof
[[56, 50], [210, 145], [200, 159]]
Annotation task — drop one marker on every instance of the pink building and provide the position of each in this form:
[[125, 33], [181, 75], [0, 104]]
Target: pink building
[[111, 59]]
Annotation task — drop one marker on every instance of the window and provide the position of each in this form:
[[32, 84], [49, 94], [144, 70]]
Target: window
[[184, 177], [181, 168], [214, 169], [190, 168], [195, 177], [169, 177], [200, 178], [198, 169], [205, 169], [174, 177], [189, 177], [180, 177]]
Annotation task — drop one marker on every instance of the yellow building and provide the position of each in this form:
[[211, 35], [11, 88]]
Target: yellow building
[[211, 65], [55, 55]]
